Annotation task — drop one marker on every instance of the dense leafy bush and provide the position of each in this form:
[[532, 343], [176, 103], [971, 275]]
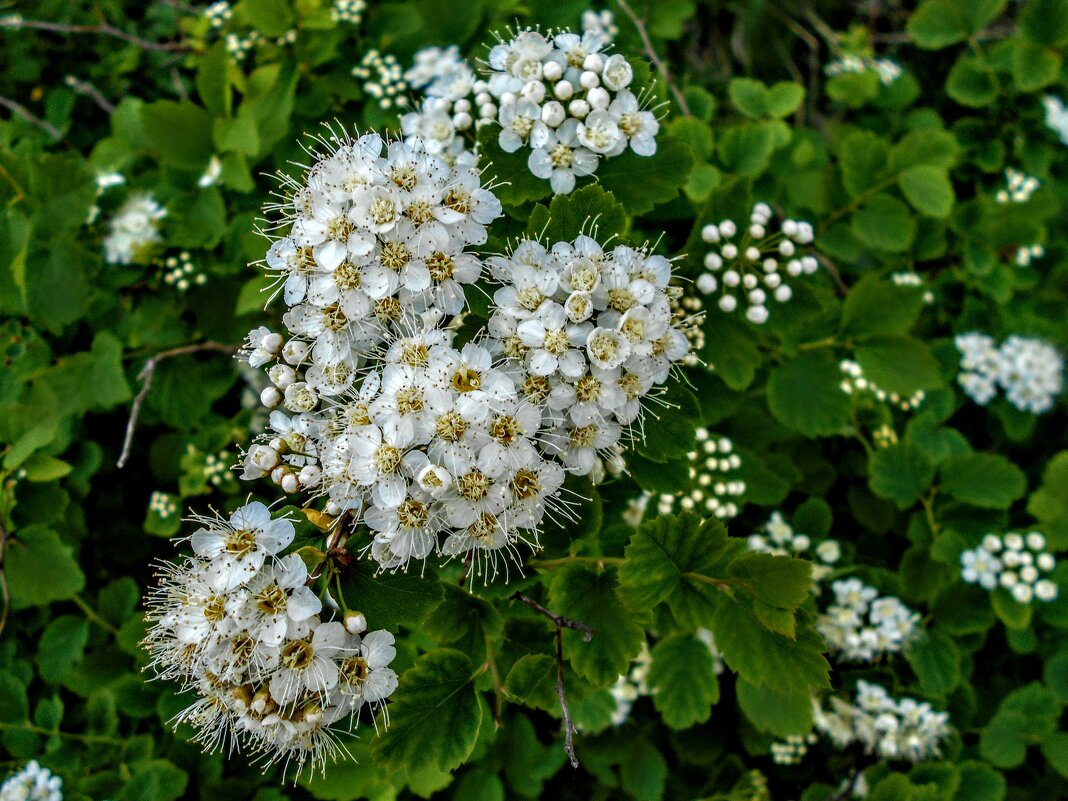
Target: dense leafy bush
[[825, 566]]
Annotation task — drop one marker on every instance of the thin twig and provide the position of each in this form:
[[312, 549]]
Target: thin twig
[[179, 86], [658, 62], [90, 91], [145, 377], [16, 22], [835, 274], [20, 110], [88, 739], [561, 623], [94, 616]]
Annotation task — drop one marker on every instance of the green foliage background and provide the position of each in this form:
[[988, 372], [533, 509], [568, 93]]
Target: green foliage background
[[897, 177]]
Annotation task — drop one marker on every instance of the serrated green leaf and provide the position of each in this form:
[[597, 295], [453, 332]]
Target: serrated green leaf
[[434, 715], [805, 394], [41, 568], [532, 681], [585, 210], [928, 189], [779, 581], [986, 480], [901, 473], [884, 223], [641, 182], [781, 711], [899, 365], [877, 306], [683, 681], [389, 600], [464, 621], [179, 133], [935, 659]]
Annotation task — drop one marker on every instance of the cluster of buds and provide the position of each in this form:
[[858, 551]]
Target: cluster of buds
[[350, 11], [793, 749], [1028, 253], [749, 268], [888, 71], [854, 382], [180, 272], [1018, 187], [383, 79], [1018, 563]]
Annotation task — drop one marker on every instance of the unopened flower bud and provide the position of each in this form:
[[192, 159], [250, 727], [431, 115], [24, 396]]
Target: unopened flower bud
[[578, 109], [355, 622], [270, 397]]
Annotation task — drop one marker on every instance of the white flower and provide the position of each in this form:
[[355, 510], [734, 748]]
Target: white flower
[[561, 158], [307, 665], [236, 549], [32, 783], [133, 229], [274, 600]]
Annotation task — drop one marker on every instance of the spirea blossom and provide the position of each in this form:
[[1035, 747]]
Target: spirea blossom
[[382, 78], [887, 70], [32, 783], [1029, 371], [237, 625], [745, 270], [569, 103], [1018, 187], [133, 229], [904, 729], [861, 625], [434, 446], [1056, 116], [854, 382], [1020, 563]]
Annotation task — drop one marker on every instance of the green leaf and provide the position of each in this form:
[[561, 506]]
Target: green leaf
[[901, 473], [986, 480], [532, 681], [805, 394], [644, 771], [971, 83], [862, 158], [1034, 66], [41, 568], [780, 581], [464, 620], [14, 705], [641, 182], [389, 600], [784, 98], [928, 189], [61, 646], [935, 659], [589, 595], [1050, 501], [780, 711], [884, 223], [979, 782], [1025, 714], [1055, 749], [585, 210], [877, 306], [179, 133], [899, 365], [758, 655], [749, 96], [272, 18], [434, 716], [670, 435], [683, 681], [672, 560], [1045, 22], [939, 23], [730, 350], [213, 80]]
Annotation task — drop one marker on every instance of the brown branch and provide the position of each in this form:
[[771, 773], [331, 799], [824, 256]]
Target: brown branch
[[145, 377], [16, 22], [561, 623], [21, 111], [88, 90], [658, 62], [833, 270]]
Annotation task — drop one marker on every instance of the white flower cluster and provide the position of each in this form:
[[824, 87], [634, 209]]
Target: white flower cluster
[[238, 625], [689, 316], [569, 103], [1014, 561], [218, 14], [888, 71], [383, 79], [389, 421], [455, 101], [133, 229], [1028, 370], [714, 484], [239, 46], [1056, 117], [780, 539], [631, 686], [792, 750], [861, 626], [1028, 253], [1018, 187], [912, 279], [350, 11], [32, 783], [892, 729], [749, 268], [601, 24], [180, 272], [163, 504], [855, 383]]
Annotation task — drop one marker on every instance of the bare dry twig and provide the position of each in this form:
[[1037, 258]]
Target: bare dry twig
[[16, 22], [658, 62], [89, 90], [561, 623], [21, 111], [145, 377]]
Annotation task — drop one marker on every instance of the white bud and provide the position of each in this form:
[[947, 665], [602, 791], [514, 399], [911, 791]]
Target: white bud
[[534, 90], [508, 99], [1035, 541], [280, 472], [594, 62], [462, 121], [757, 314], [728, 303], [272, 343], [809, 264], [1046, 590], [310, 475], [772, 280], [749, 281], [552, 113], [731, 278], [487, 111], [588, 80], [263, 457], [598, 98], [752, 253], [794, 267], [757, 297], [1046, 561], [729, 251], [710, 233], [783, 293], [762, 210], [482, 98], [552, 72], [727, 229], [578, 109], [1022, 593], [787, 248], [564, 90], [713, 261], [270, 397], [282, 375], [789, 227], [289, 484], [706, 283], [756, 231], [355, 622], [295, 351], [461, 105]]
